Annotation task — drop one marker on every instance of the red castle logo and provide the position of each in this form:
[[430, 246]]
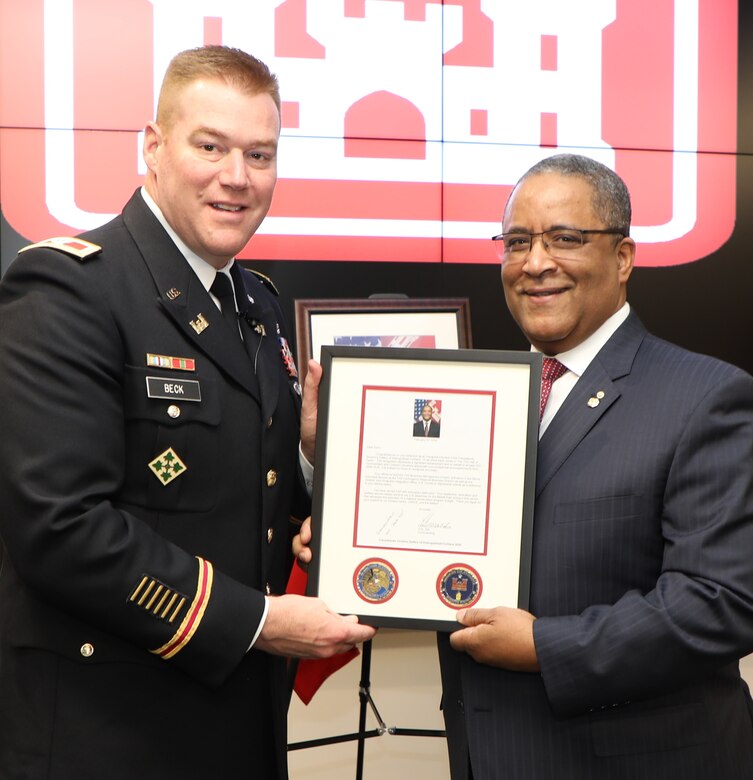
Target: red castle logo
[[405, 122]]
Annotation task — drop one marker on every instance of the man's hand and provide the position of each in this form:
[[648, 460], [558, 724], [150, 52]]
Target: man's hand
[[301, 542], [500, 637], [309, 408], [303, 627]]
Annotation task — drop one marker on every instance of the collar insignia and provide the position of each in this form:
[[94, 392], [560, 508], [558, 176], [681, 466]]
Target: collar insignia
[[200, 323]]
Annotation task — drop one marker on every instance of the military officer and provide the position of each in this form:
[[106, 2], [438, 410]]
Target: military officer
[[152, 456]]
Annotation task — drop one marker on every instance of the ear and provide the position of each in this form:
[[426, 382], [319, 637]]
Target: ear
[[625, 259], [153, 140]]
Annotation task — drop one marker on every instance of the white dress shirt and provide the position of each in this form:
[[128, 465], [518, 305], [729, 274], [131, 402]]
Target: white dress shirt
[[576, 361]]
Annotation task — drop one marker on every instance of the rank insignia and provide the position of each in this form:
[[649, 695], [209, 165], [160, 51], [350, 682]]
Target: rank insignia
[[459, 586], [76, 247], [375, 580], [287, 357], [167, 466], [175, 363], [200, 323]]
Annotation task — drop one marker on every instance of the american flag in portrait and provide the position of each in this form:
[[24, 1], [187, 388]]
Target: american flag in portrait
[[417, 342], [436, 407]]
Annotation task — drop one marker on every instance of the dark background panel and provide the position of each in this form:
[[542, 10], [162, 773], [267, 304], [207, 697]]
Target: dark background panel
[[745, 81]]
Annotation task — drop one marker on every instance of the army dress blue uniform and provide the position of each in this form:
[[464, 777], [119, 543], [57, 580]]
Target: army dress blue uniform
[[149, 471]]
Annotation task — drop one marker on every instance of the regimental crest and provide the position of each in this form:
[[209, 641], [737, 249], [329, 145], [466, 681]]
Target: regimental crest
[[287, 357], [459, 586], [167, 466], [375, 580]]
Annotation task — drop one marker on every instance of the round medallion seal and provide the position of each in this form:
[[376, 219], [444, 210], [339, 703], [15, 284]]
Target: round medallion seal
[[375, 580], [459, 586]]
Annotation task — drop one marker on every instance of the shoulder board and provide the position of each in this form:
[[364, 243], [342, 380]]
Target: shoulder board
[[265, 280], [76, 247]]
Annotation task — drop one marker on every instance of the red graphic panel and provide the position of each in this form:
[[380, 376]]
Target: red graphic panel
[[405, 122]]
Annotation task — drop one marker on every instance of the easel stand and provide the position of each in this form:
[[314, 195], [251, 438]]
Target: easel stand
[[364, 696]]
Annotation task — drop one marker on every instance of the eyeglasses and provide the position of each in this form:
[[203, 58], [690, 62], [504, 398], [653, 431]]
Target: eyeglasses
[[562, 243]]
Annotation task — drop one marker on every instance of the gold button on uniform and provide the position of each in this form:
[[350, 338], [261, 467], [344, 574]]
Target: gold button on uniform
[[87, 650], [271, 478], [270, 535], [173, 411]]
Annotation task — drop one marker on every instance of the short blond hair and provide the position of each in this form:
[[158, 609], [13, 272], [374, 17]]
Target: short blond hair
[[232, 66]]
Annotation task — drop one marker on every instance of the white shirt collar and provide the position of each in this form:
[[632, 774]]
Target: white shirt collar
[[579, 358], [201, 268]]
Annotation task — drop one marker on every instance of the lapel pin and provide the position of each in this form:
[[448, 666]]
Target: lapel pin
[[593, 402], [200, 323], [172, 293]]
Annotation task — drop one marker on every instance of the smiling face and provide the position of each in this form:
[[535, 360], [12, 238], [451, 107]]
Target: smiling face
[[560, 303], [213, 168]]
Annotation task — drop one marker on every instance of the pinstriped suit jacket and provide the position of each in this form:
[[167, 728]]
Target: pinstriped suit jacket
[[642, 583]]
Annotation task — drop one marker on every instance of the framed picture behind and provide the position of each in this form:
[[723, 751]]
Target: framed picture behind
[[417, 323]]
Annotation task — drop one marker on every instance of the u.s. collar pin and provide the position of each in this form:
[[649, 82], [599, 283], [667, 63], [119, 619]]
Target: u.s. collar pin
[[594, 400]]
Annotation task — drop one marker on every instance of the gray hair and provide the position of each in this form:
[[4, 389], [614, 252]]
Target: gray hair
[[611, 199]]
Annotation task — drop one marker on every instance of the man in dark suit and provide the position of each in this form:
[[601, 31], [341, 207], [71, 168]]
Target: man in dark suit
[[642, 575], [427, 425], [150, 467]]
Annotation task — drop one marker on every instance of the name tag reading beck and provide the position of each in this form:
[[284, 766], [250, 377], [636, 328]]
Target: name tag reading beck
[[162, 387]]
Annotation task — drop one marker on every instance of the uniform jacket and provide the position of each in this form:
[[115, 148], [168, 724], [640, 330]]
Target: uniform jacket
[[148, 476], [642, 583]]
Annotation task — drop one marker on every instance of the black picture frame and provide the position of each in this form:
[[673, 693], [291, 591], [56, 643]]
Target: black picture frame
[[397, 576]]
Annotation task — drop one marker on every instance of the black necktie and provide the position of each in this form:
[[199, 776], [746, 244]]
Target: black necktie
[[222, 289]]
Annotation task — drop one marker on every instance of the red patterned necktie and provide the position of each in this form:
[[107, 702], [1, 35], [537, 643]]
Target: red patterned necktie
[[551, 371]]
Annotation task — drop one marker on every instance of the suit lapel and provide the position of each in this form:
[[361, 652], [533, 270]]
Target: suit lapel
[[589, 400], [183, 296]]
